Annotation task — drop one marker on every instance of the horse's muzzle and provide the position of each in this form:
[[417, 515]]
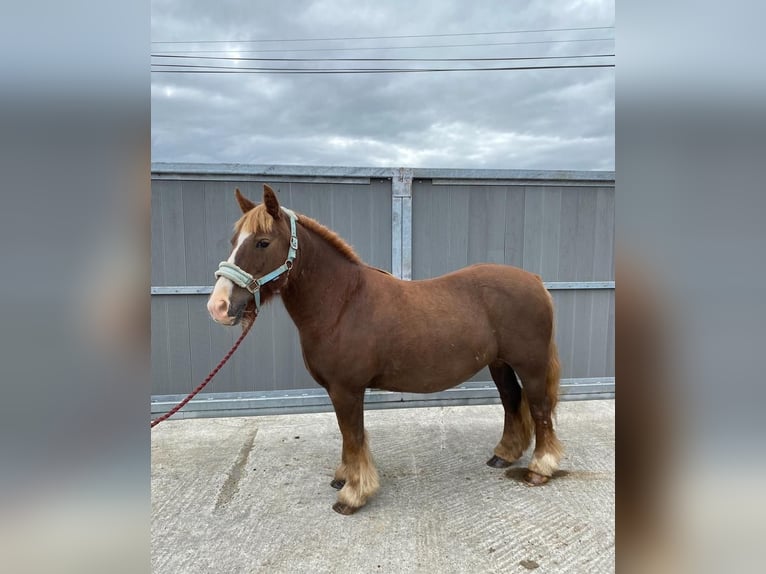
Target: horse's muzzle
[[223, 312]]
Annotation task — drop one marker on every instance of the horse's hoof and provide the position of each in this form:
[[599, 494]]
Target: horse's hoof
[[534, 479], [497, 462], [344, 509], [337, 484]]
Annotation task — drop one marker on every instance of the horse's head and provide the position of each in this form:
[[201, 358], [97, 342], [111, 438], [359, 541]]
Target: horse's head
[[264, 245]]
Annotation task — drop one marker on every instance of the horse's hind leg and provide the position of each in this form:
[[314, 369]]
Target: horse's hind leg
[[517, 430], [356, 476], [541, 389]]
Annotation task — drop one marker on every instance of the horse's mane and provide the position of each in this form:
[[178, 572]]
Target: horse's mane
[[330, 237], [255, 221], [258, 220]]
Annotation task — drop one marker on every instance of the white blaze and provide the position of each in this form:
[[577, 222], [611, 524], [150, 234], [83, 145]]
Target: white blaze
[[223, 288]]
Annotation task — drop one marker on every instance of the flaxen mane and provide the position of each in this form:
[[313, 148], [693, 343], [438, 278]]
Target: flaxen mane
[[255, 221], [258, 220]]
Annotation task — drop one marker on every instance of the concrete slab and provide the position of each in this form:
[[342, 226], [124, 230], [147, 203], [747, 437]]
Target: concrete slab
[[253, 495]]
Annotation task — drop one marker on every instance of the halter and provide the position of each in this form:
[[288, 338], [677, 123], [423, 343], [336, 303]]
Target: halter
[[244, 279]]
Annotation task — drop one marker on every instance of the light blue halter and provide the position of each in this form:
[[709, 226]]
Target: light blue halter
[[245, 280]]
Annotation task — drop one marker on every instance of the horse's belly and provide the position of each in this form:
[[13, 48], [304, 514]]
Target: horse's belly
[[424, 374]]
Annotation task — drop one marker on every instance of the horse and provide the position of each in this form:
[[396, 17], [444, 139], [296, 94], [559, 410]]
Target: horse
[[361, 328]]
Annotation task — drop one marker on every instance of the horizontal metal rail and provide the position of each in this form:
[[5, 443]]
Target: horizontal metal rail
[[551, 285], [445, 176], [530, 182], [256, 177], [183, 290], [317, 400], [564, 285]]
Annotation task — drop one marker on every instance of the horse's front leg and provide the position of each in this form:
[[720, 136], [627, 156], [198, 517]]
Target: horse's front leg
[[356, 476]]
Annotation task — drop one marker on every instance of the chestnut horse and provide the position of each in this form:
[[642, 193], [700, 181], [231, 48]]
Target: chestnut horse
[[362, 328]]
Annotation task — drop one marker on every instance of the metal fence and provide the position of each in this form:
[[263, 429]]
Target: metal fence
[[417, 223]]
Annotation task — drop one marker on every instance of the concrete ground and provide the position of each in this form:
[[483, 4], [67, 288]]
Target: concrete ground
[[252, 494]]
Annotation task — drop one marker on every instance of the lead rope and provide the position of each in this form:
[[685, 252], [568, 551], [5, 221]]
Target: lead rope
[[209, 378]]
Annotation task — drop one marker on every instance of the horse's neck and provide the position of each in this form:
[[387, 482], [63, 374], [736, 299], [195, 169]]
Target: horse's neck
[[319, 282]]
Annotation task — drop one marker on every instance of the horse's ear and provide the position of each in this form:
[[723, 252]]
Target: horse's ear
[[271, 202], [244, 204]]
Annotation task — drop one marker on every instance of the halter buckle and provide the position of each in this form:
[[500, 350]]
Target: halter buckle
[[253, 286], [294, 242]]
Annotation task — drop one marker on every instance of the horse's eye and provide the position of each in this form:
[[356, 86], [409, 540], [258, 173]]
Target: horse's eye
[[262, 243]]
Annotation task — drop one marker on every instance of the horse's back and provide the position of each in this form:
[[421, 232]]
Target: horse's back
[[507, 276], [490, 283], [492, 287]]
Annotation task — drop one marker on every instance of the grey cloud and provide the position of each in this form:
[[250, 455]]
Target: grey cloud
[[548, 119]]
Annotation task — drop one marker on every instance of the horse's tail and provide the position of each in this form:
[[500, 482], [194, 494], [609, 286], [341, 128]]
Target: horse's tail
[[552, 378], [554, 447], [553, 374]]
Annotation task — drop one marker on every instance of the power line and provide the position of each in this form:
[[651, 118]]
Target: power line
[[203, 67], [380, 37], [230, 58], [391, 47], [374, 70]]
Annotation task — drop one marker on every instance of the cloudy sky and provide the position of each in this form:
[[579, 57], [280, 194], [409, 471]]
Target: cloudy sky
[[527, 119]]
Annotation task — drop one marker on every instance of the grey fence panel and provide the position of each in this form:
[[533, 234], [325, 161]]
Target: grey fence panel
[[514, 225], [159, 345], [192, 222], [550, 233], [603, 248], [610, 351], [563, 233], [557, 224]]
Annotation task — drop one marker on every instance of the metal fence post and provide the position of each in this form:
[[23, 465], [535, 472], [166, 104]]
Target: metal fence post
[[401, 223]]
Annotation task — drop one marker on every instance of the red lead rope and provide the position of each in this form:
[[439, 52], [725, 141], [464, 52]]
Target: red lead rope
[[209, 378]]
